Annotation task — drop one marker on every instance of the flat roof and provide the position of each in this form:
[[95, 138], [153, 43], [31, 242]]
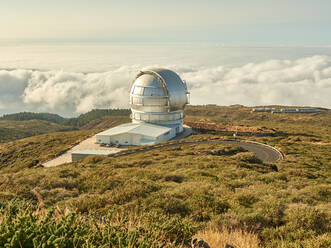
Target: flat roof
[[146, 129], [94, 152]]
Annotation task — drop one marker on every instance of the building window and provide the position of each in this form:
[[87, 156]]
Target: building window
[[153, 91], [138, 90]]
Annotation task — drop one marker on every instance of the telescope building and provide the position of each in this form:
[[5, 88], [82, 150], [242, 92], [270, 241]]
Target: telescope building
[[157, 97]]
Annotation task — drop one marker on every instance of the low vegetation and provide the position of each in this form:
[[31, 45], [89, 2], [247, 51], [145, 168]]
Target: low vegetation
[[237, 238], [26, 116], [27, 124], [96, 114], [79, 121], [31, 227], [31, 152], [164, 197], [14, 130]]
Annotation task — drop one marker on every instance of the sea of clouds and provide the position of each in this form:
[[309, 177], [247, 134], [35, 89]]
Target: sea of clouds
[[305, 81]]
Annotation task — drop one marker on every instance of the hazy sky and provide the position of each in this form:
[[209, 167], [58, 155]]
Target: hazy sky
[[70, 56], [235, 21]]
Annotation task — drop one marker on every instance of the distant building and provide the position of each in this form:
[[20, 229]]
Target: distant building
[[297, 110], [309, 110], [289, 110], [157, 98], [263, 109]]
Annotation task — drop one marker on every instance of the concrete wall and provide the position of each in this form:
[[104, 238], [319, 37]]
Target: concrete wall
[[103, 139], [179, 129], [167, 136], [77, 157], [123, 139], [81, 156]]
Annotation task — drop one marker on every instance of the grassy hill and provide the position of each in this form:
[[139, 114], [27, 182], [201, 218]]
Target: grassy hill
[[31, 152], [163, 197], [77, 122], [27, 124], [14, 130], [105, 122], [25, 116], [96, 114], [314, 125]]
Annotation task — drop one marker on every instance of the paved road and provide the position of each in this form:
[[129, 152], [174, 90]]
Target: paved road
[[264, 152]]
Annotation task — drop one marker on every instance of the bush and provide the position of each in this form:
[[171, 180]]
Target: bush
[[302, 224], [305, 217], [248, 157], [23, 226]]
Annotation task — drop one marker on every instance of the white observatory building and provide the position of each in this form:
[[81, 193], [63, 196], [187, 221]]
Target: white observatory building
[[157, 98]]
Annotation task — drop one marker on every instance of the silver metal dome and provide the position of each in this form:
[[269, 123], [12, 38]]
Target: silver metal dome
[[159, 96]]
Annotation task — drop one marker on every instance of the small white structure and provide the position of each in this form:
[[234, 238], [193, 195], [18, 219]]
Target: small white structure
[[157, 98], [309, 110], [297, 110], [263, 109], [136, 134]]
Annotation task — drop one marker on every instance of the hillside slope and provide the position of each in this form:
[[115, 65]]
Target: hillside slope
[[163, 197], [13, 130], [26, 116], [106, 122], [33, 151], [97, 114], [26, 124]]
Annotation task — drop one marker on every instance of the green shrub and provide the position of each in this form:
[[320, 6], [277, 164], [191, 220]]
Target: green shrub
[[23, 226], [307, 218], [248, 157]]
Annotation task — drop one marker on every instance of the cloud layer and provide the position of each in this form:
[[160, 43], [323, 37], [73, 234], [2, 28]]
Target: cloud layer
[[306, 81]]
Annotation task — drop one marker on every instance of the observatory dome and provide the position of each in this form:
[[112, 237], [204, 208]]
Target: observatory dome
[[158, 96]]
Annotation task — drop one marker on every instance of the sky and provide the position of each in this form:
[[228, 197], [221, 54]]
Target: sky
[[71, 56], [235, 21]]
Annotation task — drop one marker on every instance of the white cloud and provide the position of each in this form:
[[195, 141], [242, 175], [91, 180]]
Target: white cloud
[[305, 81]]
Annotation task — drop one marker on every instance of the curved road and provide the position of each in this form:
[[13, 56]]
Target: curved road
[[264, 152]]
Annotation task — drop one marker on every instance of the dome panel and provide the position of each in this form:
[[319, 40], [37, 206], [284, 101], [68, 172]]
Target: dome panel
[[154, 92], [147, 80], [176, 87], [137, 90], [159, 94]]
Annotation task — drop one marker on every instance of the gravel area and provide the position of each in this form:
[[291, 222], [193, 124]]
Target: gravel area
[[88, 144]]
